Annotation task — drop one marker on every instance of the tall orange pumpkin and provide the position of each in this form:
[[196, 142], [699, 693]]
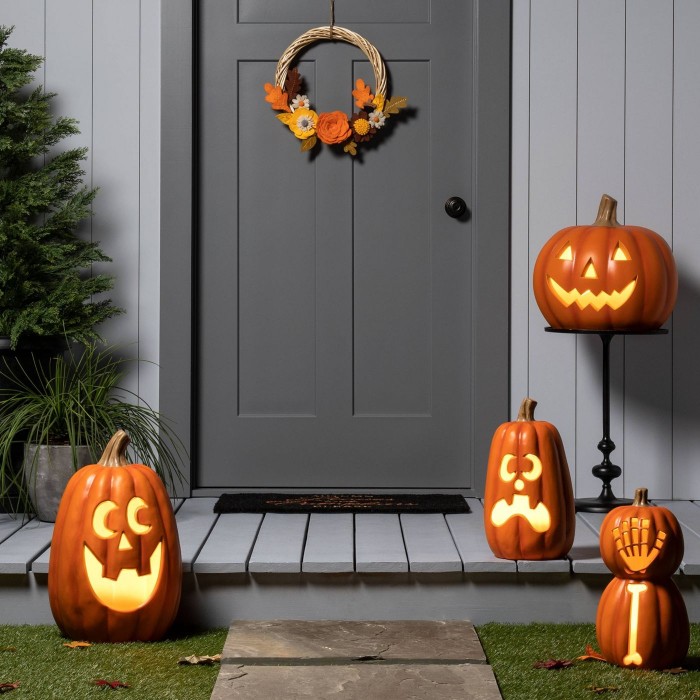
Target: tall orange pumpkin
[[643, 624], [115, 571], [529, 510], [606, 276]]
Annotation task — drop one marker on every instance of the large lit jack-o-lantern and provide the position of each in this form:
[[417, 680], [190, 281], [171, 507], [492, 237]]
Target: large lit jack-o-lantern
[[606, 276], [115, 571], [642, 621], [529, 510]]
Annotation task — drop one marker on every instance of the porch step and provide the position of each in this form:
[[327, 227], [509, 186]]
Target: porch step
[[387, 660]]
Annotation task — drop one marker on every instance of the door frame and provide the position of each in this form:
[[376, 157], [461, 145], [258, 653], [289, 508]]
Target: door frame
[[490, 225]]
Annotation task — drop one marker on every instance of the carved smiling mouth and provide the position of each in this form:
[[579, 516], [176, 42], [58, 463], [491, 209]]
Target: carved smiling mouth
[[538, 517], [129, 591], [584, 299]]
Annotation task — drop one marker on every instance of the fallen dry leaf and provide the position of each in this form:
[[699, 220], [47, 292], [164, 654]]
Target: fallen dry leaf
[[553, 664], [195, 660], [591, 655], [677, 671], [77, 645], [7, 687], [8, 648], [599, 690], [111, 684]]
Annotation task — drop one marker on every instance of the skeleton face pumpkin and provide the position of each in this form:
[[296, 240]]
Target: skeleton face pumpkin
[[115, 566], [605, 276], [528, 501], [641, 540]]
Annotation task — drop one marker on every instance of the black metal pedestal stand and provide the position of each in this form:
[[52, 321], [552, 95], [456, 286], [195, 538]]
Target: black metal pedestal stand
[[606, 471]]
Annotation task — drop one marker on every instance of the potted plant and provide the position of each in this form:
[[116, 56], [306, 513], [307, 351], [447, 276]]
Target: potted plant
[[46, 289], [63, 414]]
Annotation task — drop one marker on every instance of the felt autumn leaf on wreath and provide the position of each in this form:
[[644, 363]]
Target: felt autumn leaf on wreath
[[333, 128]]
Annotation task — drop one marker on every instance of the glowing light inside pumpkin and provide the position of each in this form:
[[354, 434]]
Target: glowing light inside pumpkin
[[502, 511], [621, 253], [633, 656], [588, 298], [538, 517], [567, 253], [129, 591], [632, 542], [589, 271]]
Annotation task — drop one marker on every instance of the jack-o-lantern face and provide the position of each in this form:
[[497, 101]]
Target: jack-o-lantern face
[[132, 567], [537, 517], [528, 501], [605, 276], [115, 566]]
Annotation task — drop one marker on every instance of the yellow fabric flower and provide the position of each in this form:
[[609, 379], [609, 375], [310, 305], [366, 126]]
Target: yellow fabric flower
[[303, 123], [361, 126]]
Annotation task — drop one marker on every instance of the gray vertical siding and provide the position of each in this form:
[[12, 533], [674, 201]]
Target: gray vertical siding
[[606, 99], [103, 60]]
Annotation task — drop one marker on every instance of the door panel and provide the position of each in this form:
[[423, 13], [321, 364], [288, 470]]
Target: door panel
[[334, 296]]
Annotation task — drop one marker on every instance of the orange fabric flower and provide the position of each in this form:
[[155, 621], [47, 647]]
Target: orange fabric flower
[[333, 127]]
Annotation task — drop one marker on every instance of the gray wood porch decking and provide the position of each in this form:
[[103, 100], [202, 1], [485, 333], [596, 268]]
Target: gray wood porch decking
[[250, 566]]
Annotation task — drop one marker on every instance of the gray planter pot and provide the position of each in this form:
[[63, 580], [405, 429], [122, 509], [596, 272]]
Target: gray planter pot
[[46, 474]]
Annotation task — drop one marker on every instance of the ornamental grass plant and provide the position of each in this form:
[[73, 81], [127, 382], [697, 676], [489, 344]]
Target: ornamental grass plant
[[76, 399]]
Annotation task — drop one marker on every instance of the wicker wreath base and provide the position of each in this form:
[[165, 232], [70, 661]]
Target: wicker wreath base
[[333, 128]]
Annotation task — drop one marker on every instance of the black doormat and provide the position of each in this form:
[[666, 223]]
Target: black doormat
[[340, 503]]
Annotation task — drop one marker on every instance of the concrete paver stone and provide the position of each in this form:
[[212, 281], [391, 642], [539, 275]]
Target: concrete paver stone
[[387, 660]]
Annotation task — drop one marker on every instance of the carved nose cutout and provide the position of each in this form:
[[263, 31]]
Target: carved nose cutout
[[589, 271], [124, 543]]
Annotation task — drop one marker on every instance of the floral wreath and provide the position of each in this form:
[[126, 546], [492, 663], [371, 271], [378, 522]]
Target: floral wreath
[[333, 128]]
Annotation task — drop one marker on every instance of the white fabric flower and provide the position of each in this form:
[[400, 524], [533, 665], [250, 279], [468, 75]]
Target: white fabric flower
[[300, 101], [376, 119], [305, 122]]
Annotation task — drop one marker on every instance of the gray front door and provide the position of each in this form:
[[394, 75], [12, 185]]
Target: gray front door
[[336, 304]]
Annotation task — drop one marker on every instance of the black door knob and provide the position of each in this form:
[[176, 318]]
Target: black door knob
[[455, 207]]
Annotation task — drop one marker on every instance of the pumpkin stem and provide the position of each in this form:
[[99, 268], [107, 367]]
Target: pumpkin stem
[[527, 410], [641, 497], [607, 212], [115, 452]]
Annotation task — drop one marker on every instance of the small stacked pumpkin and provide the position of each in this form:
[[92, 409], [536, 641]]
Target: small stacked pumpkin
[[642, 621]]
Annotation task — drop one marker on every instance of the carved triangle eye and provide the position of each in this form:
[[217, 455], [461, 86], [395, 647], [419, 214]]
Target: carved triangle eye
[[566, 253], [621, 253]]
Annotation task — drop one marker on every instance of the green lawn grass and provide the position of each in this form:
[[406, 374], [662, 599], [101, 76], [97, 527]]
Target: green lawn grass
[[513, 649], [35, 657]]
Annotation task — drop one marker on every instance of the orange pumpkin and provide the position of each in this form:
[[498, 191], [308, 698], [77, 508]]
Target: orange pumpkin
[[115, 571], [643, 624], [606, 276], [641, 541], [529, 510]]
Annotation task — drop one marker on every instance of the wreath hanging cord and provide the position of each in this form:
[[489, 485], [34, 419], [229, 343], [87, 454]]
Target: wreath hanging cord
[[333, 128]]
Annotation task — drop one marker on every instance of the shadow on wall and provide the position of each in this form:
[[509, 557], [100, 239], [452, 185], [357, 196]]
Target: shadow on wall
[[649, 358]]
